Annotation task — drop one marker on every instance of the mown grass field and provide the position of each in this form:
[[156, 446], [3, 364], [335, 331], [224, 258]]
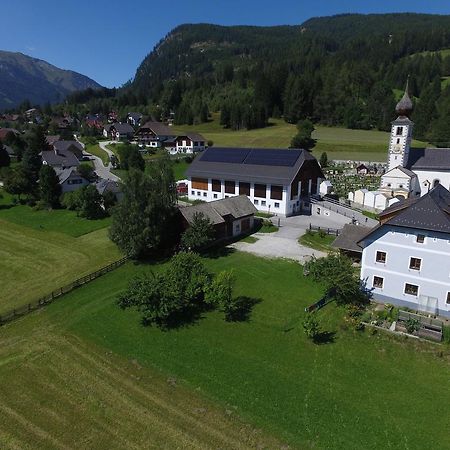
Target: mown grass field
[[359, 390], [43, 250], [60, 391], [339, 143]]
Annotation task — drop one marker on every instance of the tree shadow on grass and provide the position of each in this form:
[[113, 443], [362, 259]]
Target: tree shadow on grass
[[219, 252], [325, 337], [183, 319], [244, 307]]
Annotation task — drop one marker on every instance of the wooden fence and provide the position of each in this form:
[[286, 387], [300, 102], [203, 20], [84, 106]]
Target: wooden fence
[[325, 229], [49, 298]]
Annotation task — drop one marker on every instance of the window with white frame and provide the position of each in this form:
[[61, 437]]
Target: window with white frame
[[411, 289], [277, 205], [420, 238], [448, 298], [256, 202], [380, 257], [215, 195], [263, 203], [378, 282], [415, 263]]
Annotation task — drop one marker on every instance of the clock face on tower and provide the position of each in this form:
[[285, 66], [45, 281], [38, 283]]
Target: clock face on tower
[[396, 148]]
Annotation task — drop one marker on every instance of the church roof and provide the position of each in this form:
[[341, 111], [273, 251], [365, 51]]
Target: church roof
[[429, 159], [430, 212], [405, 105]]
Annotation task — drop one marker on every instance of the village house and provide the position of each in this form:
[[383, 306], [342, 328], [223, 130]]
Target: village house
[[406, 258], [70, 180], [62, 147], [154, 134], [60, 159], [189, 143], [230, 217], [118, 131], [5, 133], [134, 118], [278, 181], [105, 185]]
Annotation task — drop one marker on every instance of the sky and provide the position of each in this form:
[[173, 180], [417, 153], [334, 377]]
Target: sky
[[107, 39]]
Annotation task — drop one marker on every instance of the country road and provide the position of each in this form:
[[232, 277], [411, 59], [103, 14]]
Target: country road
[[101, 170]]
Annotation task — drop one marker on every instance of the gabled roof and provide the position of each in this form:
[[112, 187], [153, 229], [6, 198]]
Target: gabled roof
[[429, 159], [430, 212], [5, 131], [402, 169], [217, 210], [70, 172], [123, 128], [349, 237], [135, 115], [63, 158], [192, 136], [106, 185], [63, 146], [52, 138], [259, 165], [159, 128]]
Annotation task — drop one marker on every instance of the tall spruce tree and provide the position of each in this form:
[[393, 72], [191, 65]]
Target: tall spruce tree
[[32, 161], [5, 160], [49, 187]]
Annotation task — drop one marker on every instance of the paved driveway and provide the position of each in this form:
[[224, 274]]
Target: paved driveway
[[281, 244]]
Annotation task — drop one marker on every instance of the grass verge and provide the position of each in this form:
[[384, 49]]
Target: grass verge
[[317, 240]]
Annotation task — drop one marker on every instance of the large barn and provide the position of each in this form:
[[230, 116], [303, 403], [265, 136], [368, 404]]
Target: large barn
[[279, 181]]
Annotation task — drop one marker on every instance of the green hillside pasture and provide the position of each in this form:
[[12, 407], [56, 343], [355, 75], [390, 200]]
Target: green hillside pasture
[[59, 391], [356, 390], [35, 262], [58, 220], [339, 143]]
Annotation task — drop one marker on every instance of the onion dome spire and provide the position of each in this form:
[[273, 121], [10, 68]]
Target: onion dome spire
[[405, 105]]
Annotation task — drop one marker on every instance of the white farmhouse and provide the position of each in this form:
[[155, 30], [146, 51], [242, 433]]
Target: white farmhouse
[[278, 181], [406, 259]]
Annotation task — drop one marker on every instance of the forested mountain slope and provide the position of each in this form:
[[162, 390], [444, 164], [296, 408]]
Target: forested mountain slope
[[340, 70]]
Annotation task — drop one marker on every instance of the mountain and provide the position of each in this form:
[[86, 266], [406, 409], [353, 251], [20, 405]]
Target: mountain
[[25, 78], [345, 70]]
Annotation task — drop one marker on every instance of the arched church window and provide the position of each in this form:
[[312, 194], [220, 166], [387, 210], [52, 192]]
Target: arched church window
[[399, 131], [436, 182], [398, 140]]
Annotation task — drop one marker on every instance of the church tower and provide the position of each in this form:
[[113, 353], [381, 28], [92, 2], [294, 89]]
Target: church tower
[[401, 133]]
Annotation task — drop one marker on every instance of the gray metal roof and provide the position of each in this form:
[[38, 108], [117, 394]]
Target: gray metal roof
[[65, 174], [106, 185], [215, 211], [430, 212], [60, 158], [64, 146], [349, 237], [242, 170], [159, 128], [429, 159], [123, 128]]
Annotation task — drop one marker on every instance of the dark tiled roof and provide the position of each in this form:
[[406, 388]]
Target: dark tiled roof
[[135, 115], [242, 164], [64, 158], [123, 128], [63, 146], [108, 186], [215, 211], [430, 212], [350, 236], [192, 136], [158, 128], [65, 174], [429, 159]]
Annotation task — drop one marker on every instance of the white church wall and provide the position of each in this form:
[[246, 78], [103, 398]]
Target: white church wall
[[427, 179]]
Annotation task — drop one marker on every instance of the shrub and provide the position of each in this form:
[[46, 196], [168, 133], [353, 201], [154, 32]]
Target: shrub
[[412, 325], [311, 326]]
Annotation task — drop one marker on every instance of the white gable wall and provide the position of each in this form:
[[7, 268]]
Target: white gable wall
[[427, 178], [400, 245]]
